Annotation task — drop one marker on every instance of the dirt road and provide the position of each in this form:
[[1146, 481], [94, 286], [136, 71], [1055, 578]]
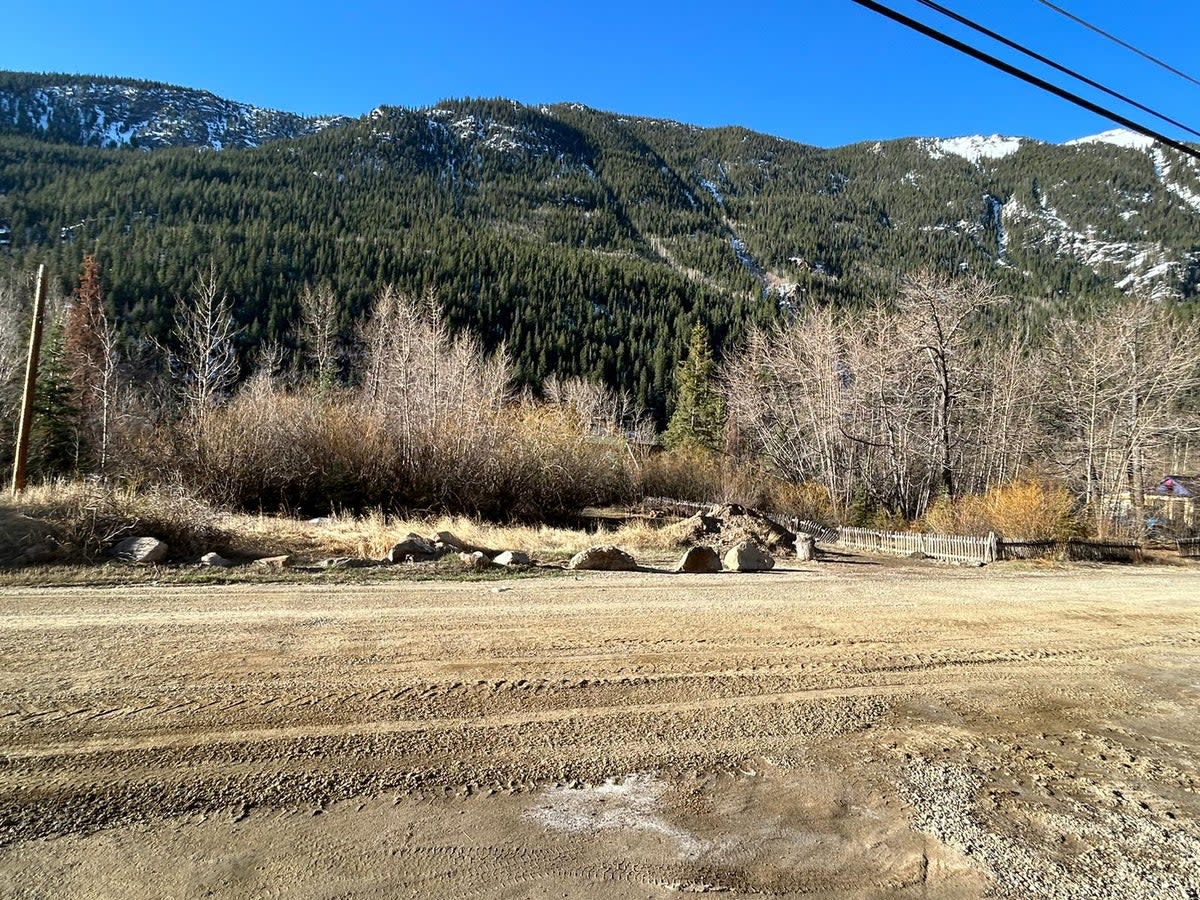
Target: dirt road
[[841, 731]]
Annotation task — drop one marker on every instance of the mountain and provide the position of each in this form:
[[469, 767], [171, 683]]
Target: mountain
[[111, 112], [583, 241]]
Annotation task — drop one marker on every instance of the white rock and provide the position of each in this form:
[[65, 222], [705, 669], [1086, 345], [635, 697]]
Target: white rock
[[141, 550], [748, 557]]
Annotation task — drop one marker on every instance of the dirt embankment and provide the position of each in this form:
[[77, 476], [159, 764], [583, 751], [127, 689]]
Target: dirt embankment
[[844, 731]]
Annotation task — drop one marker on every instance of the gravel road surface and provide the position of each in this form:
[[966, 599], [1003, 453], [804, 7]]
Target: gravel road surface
[[845, 730]]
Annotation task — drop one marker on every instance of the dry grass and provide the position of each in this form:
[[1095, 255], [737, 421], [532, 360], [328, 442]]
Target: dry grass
[[81, 520], [372, 535]]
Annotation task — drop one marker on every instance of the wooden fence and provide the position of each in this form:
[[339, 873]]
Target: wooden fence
[[1074, 549], [1189, 547], [682, 508], [961, 548], [822, 533], [951, 547]]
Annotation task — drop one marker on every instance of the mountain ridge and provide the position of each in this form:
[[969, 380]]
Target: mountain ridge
[[11, 89], [588, 242], [110, 113]]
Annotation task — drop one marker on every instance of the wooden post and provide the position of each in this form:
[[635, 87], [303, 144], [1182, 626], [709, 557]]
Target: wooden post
[[31, 372]]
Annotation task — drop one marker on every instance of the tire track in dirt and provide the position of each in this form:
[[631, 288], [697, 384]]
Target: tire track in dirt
[[134, 707]]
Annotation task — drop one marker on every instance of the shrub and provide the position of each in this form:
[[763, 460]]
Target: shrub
[[1034, 510], [689, 473], [271, 449], [82, 519]]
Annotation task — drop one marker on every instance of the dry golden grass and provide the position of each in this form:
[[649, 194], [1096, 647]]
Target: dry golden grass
[[81, 519], [372, 535]]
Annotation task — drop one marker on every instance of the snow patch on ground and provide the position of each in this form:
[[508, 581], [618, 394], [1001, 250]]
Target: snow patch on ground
[[630, 803]]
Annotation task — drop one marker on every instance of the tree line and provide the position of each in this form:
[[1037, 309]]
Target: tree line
[[892, 410], [924, 399]]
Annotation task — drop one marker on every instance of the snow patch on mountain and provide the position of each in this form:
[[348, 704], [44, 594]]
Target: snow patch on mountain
[[490, 134], [712, 189], [1146, 267], [1163, 168], [115, 114], [1118, 137], [993, 218], [974, 148]]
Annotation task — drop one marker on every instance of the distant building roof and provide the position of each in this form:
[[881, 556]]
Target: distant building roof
[[1178, 486]]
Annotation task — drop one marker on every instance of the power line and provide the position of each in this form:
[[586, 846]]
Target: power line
[[1026, 76], [1020, 48], [1116, 40]]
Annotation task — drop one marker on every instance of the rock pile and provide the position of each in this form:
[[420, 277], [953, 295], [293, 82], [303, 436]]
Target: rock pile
[[726, 525], [414, 548]]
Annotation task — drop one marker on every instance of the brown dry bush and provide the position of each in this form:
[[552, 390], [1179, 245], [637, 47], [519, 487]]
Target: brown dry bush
[[433, 428], [686, 473], [270, 449], [753, 485], [1032, 510]]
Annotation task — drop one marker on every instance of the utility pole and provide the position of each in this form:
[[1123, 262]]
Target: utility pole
[[31, 370]]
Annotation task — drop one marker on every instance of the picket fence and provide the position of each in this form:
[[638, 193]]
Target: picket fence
[[1189, 547], [950, 547], [1073, 549], [983, 550]]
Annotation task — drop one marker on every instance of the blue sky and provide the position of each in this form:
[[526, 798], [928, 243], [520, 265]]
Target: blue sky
[[824, 72]]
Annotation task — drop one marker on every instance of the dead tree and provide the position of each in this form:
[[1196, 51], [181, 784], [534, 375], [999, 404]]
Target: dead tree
[[204, 337]]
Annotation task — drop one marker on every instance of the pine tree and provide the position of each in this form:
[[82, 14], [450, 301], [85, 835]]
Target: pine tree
[[699, 417], [54, 443]]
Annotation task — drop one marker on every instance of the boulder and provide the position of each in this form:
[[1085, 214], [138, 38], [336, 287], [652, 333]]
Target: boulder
[[748, 557], [603, 559], [448, 539], [475, 560], [414, 547], [141, 550], [215, 560], [273, 563], [699, 559], [806, 547], [513, 558]]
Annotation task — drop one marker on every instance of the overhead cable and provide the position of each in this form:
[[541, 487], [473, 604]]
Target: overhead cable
[[1026, 76], [1020, 48], [1116, 40]]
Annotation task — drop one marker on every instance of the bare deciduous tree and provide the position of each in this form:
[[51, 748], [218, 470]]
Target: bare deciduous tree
[[601, 411], [933, 321], [204, 336], [900, 403], [11, 337], [319, 318], [12, 353], [1124, 377]]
